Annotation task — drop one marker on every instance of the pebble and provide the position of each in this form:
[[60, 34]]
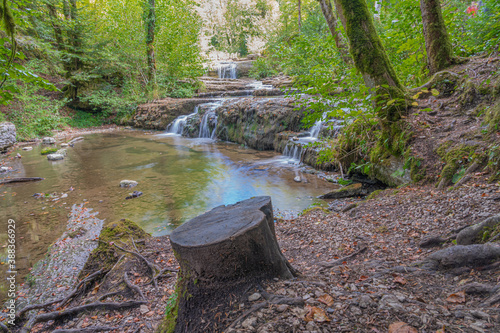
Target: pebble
[[297, 179], [254, 297], [282, 308], [55, 157], [27, 148], [144, 309], [128, 183], [249, 323]]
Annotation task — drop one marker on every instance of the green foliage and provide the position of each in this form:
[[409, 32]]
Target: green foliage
[[82, 119]]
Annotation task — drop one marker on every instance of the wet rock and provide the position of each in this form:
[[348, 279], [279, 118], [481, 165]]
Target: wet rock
[[48, 141], [3, 169], [7, 136], [475, 233], [27, 148], [297, 179], [128, 183], [133, 195], [64, 145], [353, 190], [55, 157], [462, 255], [61, 152]]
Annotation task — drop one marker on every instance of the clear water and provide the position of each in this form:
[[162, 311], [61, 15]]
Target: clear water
[[180, 178]]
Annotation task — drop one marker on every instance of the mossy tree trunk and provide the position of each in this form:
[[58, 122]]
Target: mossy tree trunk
[[331, 21], [437, 41], [150, 25], [371, 60]]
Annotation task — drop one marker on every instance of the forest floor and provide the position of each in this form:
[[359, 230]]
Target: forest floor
[[361, 264]]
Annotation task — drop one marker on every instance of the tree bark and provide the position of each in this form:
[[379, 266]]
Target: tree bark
[[437, 41], [220, 252], [331, 21], [371, 59], [150, 24], [300, 14], [55, 26]]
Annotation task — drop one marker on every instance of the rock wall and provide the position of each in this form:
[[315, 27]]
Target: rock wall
[[158, 115], [7, 136], [255, 122]]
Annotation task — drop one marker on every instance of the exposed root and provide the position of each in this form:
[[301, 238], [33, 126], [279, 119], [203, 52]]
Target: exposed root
[[88, 329], [4, 328], [89, 278], [341, 260], [55, 315], [132, 286]]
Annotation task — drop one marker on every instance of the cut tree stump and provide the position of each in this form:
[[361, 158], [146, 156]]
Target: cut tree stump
[[221, 253]]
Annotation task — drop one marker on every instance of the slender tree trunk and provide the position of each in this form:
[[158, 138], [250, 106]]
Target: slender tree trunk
[[340, 14], [371, 59], [55, 26], [437, 42], [331, 20], [76, 36], [300, 14], [150, 24]]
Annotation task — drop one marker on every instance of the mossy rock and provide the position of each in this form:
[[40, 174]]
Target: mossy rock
[[105, 256], [314, 209], [456, 157], [374, 194], [47, 151]]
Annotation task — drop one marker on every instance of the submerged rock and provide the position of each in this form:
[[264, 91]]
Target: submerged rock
[[7, 136], [128, 183], [133, 195], [55, 157], [27, 148]]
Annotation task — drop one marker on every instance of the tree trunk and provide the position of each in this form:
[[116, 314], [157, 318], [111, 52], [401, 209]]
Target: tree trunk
[[55, 26], [437, 42], [371, 59], [150, 24], [331, 21], [221, 251], [300, 14]]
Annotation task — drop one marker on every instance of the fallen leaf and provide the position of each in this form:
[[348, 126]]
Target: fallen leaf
[[326, 299], [401, 327], [456, 298], [401, 280], [316, 314]]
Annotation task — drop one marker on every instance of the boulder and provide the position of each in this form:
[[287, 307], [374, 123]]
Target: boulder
[[243, 68], [48, 141], [7, 136], [55, 157], [354, 190], [475, 233]]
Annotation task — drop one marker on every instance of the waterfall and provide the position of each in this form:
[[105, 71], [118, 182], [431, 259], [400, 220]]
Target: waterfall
[[209, 120], [226, 70], [178, 124], [318, 125], [293, 151]]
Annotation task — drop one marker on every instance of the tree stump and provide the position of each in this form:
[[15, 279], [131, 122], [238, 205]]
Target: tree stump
[[221, 253]]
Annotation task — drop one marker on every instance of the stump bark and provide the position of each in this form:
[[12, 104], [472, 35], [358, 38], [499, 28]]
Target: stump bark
[[221, 253]]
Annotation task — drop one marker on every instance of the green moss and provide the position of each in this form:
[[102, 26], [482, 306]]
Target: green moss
[[456, 157], [171, 312], [48, 150], [315, 208], [374, 194], [104, 256], [492, 117]]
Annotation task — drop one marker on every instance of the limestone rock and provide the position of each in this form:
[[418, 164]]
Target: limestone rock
[[48, 141], [27, 148], [474, 233], [128, 183], [55, 157], [7, 136]]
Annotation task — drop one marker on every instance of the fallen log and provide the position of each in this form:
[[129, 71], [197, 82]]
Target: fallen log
[[20, 180]]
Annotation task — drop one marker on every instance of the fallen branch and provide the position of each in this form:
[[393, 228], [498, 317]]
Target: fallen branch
[[87, 330], [341, 260], [55, 315], [20, 180]]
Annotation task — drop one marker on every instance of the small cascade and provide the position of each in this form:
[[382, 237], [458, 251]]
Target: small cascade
[[316, 129], [293, 151], [177, 126], [209, 120], [227, 70]]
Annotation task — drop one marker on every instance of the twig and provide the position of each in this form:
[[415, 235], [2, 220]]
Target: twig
[[87, 330], [76, 310], [133, 286], [109, 295], [341, 260], [20, 180]]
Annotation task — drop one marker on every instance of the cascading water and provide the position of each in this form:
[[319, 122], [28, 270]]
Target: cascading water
[[227, 70], [294, 152], [209, 120], [178, 124]]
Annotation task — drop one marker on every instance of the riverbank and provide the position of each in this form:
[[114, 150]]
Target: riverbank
[[374, 280]]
